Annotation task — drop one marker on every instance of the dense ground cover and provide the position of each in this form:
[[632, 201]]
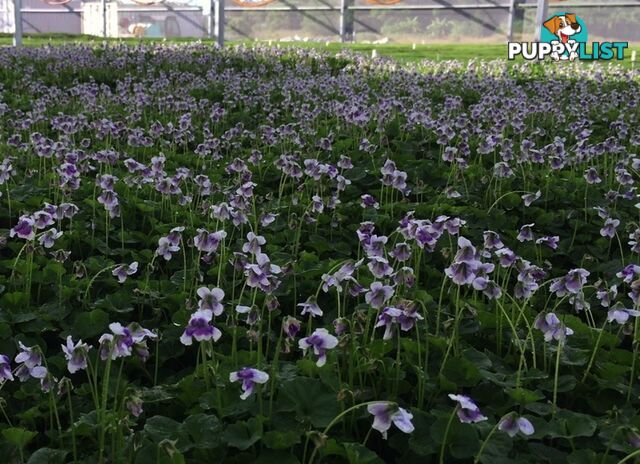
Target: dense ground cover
[[402, 52], [257, 255]]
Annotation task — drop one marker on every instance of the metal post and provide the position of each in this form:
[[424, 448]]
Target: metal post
[[103, 13], [541, 15], [218, 29], [346, 21], [512, 18], [17, 20]]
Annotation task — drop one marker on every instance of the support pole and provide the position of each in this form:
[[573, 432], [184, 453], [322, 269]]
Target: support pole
[[207, 10], [542, 11], [218, 22], [346, 21], [17, 20], [103, 16], [512, 19]]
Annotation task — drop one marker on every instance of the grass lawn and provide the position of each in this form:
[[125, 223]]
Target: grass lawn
[[400, 52]]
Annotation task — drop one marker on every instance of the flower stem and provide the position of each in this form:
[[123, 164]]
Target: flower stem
[[555, 378], [446, 434], [476, 460]]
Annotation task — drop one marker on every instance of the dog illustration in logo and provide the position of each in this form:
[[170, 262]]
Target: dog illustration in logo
[[564, 27]]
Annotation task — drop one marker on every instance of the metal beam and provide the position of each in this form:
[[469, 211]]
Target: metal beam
[[584, 5], [218, 22], [512, 18], [103, 16], [397, 7], [17, 21], [346, 20], [542, 12]]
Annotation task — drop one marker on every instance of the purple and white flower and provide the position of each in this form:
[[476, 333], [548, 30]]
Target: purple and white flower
[[620, 314], [200, 328], [468, 412], [210, 300], [384, 414], [5, 368], [249, 378], [76, 355], [378, 294], [125, 270], [25, 228], [511, 424], [552, 327], [310, 307], [610, 227], [321, 341]]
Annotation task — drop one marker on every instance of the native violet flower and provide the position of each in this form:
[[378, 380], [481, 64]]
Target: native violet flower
[[76, 355], [30, 361], [378, 294], [200, 328], [629, 273], [609, 228], [591, 176], [124, 270], [134, 405], [249, 378], [468, 412], [384, 414], [206, 242], [388, 316], [5, 368], [525, 234], [620, 314], [551, 242], [368, 201], [551, 327], [310, 307], [253, 244], [42, 219], [321, 341], [166, 248], [291, 327], [123, 340], [25, 228], [210, 300], [409, 315], [401, 252], [511, 424], [529, 198], [49, 237], [379, 267], [605, 296], [571, 283], [506, 256], [375, 246], [634, 241], [492, 240]]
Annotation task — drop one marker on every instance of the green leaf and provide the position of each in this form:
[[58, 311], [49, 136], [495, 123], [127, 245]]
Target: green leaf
[[569, 424], [47, 456], [276, 457], [242, 435], [160, 428], [203, 430], [18, 437], [89, 324], [497, 450], [359, 454], [312, 400], [524, 396], [583, 456], [275, 439]]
